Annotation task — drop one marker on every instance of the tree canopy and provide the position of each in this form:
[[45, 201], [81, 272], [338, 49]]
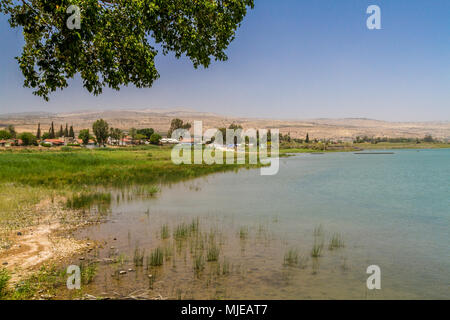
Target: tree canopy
[[28, 139], [101, 131], [118, 39], [147, 132], [5, 135], [178, 124], [155, 138], [84, 135]]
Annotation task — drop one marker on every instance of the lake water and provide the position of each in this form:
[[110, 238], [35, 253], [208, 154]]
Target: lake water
[[391, 210]]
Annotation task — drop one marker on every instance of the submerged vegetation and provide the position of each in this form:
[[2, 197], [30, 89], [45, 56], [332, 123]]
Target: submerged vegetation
[[138, 257], [316, 251], [87, 200], [317, 248], [336, 242], [291, 257], [156, 258], [165, 232]]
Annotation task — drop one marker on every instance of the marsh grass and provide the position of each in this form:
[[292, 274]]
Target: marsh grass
[[168, 253], [138, 258], [156, 258], [28, 176], [146, 191], [336, 242], [165, 232], [291, 258], [87, 200], [199, 263], [213, 252], [120, 259], [194, 226], [100, 167], [317, 249], [88, 272], [181, 232], [226, 269]]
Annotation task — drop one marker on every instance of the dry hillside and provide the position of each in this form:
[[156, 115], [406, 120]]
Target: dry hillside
[[338, 129]]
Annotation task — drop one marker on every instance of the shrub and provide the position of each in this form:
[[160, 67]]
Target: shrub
[[28, 139], [155, 138], [5, 135], [4, 278], [85, 136]]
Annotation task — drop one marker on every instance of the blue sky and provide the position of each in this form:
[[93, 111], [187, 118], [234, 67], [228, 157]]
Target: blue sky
[[291, 59]]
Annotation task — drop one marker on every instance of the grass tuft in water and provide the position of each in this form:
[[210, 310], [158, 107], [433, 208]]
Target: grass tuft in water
[[87, 200], [213, 252], [147, 191], [243, 233], [156, 258], [181, 232], [194, 226], [165, 232], [336, 242], [199, 263], [225, 267], [316, 251], [138, 258], [168, 253], [291, 258]]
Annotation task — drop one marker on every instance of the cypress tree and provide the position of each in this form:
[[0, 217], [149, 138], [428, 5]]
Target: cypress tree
[[38, 134], [71, 132], [52, 131], [66, 132], [307, 138]]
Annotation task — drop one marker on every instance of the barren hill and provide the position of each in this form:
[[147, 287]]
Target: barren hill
[[159, 119]]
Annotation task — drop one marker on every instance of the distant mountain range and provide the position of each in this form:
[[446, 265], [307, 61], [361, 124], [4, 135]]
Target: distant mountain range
[[159, 119]]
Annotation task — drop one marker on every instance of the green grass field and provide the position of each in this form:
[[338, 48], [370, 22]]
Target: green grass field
[[28, 176], [112, 167]]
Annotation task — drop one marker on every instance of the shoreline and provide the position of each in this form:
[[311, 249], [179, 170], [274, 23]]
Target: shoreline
[[34, 230], [43, 243]]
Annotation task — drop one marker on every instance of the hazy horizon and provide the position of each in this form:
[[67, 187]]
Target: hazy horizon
[[290, 60], [183, 109]]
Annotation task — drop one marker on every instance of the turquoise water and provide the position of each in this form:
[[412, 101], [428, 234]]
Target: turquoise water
[[392, 210]]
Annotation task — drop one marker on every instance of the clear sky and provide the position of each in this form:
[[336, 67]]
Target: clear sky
[[291, 59]]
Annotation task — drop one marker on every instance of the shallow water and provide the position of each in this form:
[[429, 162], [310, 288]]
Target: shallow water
[[392, 210]]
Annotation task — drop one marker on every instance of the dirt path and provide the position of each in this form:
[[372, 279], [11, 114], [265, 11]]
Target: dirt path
[[35, 245]]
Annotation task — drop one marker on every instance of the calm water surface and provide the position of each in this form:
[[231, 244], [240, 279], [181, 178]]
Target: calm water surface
[[390, 210]]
